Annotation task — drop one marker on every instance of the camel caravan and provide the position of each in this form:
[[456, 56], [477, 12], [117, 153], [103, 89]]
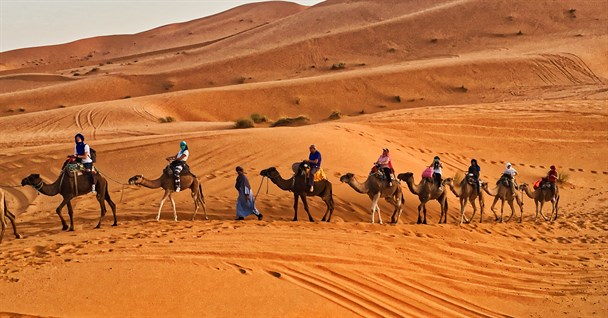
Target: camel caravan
[[79, 177]]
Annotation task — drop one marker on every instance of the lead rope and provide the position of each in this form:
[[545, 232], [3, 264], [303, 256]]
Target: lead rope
[[259, 188]]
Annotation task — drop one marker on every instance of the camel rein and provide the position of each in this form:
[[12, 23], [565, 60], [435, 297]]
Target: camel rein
[[122, 190], [259, 188]]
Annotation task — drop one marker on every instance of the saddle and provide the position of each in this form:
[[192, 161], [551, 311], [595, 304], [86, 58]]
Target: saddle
[[72, 167], [169, 170], [318, 176], [506, 180], [378, 173], [544, 183]]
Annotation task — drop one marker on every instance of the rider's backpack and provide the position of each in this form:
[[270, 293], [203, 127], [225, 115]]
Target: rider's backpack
[[93, 154]]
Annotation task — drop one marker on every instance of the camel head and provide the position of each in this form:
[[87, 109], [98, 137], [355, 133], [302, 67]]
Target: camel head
[[270, 172], [524, 186], [136, 180], [406, 176], [484, 185], [448, 181], [33, 180], [348, 177]]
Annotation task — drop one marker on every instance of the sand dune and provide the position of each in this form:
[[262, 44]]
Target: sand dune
[[479, 90]]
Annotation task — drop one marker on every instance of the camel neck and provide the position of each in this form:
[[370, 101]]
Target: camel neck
[[359, 187], [50, 189], [282, 183], [414, 188], [490, 192], [152, 184], [454, 190]]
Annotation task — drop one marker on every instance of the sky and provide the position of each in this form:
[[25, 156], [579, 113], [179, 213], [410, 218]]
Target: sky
[[29, 23]]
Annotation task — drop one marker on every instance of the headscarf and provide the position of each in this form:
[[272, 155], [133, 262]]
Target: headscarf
[[508, 165], [183, 146], [241, 181], [553, 168], [79, 145]]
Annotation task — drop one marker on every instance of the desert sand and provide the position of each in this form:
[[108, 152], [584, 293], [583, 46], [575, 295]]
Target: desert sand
[[524, 82]]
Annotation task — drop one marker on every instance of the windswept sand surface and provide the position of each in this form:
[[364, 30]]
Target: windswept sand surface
[[468, 85]]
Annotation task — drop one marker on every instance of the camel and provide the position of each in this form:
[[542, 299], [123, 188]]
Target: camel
[[376, 188], [466, 193], [540, 196], [69, 188], [165, 181], [426, 190], [504, 193], [297, 185], [5, 213]]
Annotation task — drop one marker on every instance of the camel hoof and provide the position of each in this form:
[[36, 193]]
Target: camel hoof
[[18, 236], [97, 227], [64, 228], [206, 218], [115, 224], [311, 220], [323, 220], [294, 220], [71, 230]]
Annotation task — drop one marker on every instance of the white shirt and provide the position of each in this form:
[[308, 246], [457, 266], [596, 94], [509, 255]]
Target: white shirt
[[180, 153], [87, 151], [438, 169], [512, 172]]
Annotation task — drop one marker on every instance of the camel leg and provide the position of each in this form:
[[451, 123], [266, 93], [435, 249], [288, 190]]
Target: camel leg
[[542, 203], [71, 214], [330, 206], [512, 210], [378, 211], [112, 206], [374, 205], [424, 211], [463, 204], [493, 208], [481, 206], [502, 208], [101, 195], [419, 210], [295, 207], [58, 210], [11, 217], [195, 199], [326, 216], [162, 201], [305, 203], [397, 205], [536, 214], [173, 205], [474, 211], [444, 211], [2, 225], [556, 207]]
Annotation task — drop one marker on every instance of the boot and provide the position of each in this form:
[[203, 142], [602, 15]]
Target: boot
[[260, 216]]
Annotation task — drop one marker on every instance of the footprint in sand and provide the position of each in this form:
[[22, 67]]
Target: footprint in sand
[[275, 274]]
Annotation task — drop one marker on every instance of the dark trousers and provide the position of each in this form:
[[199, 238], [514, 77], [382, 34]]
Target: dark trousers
[[387, 174], [89, 168], [437, 179]]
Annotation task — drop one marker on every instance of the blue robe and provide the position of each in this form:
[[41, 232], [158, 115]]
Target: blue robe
[[244, 207]]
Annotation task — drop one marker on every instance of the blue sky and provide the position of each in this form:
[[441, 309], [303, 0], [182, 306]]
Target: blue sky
[[28, 23]]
